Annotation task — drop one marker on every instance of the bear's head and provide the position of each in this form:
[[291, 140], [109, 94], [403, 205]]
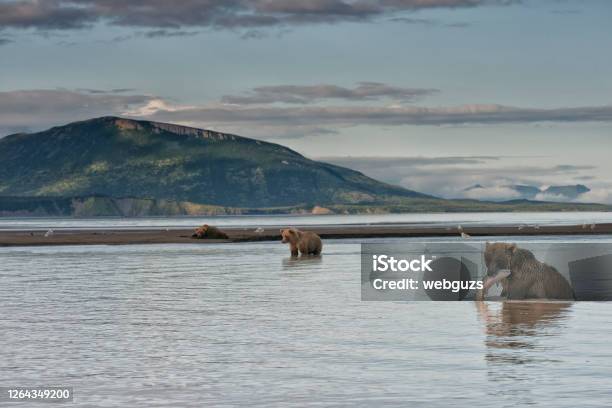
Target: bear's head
[[200, 232], [289, 235], [498, 259]]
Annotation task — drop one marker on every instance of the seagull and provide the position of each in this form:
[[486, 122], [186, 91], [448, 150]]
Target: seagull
[[49, 233], [592, 227], [259, 230], [459, 228], [465, 236], [521, 227]]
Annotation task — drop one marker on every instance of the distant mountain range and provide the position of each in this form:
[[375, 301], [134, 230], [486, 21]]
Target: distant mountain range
[[556, 193], [567, 192], [116, 166]]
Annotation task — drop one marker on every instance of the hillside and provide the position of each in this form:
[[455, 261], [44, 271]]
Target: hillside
[[115, 166], [117, 157]]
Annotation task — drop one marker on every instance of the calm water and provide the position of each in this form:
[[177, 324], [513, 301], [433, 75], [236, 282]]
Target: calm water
[[542, 218], [242, 324]]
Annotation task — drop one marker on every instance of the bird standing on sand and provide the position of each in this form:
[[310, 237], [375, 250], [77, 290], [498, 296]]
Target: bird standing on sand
[[465, 236]]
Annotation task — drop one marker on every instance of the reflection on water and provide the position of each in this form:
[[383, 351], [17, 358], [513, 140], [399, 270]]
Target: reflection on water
[[523, 339], [517, 325], [294, 263], [245, 325]]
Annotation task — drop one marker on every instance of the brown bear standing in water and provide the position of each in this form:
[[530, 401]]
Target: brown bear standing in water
[[209, 232], [521, 275], [307, 243]]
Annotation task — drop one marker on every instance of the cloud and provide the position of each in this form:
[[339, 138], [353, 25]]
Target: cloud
[[254, 34], [429, 22], [105, 91], [365, 163], [32, 109], [37, 109], [598, 195], [551, 197], [169, 33], [305, 94], [494, 193], [219, 14], [153, 35], [456, 176], [334, 117], [44, 14], [419, 21]]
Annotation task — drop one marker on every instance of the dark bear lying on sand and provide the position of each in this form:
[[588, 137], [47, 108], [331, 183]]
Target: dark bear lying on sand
[[521, 275], [209, 232]]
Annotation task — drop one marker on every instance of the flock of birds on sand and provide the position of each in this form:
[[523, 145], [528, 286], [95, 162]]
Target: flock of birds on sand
[[464, 235]]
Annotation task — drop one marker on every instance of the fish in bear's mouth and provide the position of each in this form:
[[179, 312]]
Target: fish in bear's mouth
[[492, 280]]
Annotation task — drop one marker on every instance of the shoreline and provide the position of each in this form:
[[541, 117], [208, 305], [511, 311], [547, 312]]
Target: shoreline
[[10, 238]]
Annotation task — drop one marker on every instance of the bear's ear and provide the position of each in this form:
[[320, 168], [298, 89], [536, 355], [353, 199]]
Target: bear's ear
[[282, 231], [511, 248]]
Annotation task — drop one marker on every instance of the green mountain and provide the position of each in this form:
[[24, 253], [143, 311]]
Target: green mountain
[[126, 158], [115, 166]]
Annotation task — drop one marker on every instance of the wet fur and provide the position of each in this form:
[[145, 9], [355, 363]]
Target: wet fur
[[530, 278], [209, 232], [302, 242]]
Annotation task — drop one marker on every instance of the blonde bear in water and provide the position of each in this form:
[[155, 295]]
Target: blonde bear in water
[[307, 243]]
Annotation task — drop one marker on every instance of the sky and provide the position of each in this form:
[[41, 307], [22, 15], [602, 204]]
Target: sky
[[433, 95]]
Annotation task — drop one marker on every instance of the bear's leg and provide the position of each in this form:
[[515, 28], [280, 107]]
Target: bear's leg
[[294, 250], [304, 249]]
